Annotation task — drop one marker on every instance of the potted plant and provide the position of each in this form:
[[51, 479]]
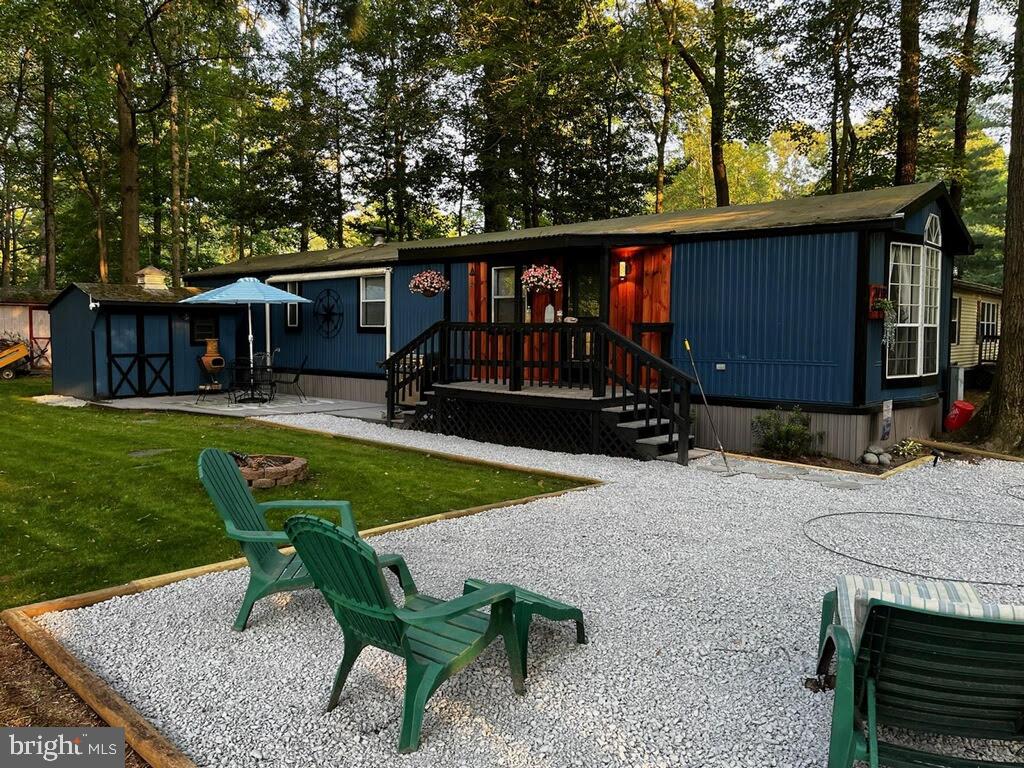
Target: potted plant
[[888, 310], [428, 283], [542, 277]]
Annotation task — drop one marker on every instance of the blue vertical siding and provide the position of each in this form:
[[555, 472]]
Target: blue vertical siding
[[71, 324], [351, 351], [778, 312], [460, 292], [410, 312]]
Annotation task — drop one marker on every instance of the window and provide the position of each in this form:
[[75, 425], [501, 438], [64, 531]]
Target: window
[[372, 302], [914, 280], [503, 295], [933, 231], [988, 319], [954, 321], [203, 326], [292, 311]]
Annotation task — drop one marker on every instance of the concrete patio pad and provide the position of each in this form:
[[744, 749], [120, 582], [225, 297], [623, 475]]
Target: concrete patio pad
[[282, 405]]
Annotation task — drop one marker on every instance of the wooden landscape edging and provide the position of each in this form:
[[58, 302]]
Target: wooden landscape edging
[[155, 748], [969, 450], [920, 460]]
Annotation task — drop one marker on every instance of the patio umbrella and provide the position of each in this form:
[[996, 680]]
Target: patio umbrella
[[248, 291]]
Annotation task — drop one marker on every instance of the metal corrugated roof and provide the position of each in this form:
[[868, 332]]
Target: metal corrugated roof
[[818, 211]]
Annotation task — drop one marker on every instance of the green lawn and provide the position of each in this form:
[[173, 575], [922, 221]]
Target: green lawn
[[78, 513]]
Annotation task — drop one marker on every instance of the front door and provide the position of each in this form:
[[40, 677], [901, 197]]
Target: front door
[[140, 359]]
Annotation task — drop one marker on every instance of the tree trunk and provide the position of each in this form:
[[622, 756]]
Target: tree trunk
[[6, 234], [156, 251], [1004, 411], [663, 130], [48, 271], [718, 106], [128, 168], [175, 189], [491, 157], [908, 99], [186, 209], [962, 115], [101, 217]]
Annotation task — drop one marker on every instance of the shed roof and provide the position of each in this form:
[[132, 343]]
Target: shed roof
[[877, 205], [968, 286], [26, 295], [115, 293]]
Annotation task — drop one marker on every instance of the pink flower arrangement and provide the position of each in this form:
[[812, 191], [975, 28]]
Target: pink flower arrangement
[[429, 283], [541, 278]]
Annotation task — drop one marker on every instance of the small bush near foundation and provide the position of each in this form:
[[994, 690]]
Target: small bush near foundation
[[785, 434]]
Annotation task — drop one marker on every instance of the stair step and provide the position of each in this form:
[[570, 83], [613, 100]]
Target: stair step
[[695, 453], [642, 423], [628, 410]]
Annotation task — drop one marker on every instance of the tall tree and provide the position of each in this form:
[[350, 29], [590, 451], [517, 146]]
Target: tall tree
[[908, 96], [48, 256], [1003, 414], [961, 118]]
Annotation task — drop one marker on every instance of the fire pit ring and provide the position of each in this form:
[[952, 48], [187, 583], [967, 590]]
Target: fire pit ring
[[263, 471]]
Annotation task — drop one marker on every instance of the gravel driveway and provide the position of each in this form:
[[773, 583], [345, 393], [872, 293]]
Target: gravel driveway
[[701, 595]]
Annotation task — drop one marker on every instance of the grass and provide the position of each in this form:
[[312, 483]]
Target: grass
[[77, 512]]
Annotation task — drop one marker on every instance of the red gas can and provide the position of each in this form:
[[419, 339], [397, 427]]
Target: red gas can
[[958, 415]]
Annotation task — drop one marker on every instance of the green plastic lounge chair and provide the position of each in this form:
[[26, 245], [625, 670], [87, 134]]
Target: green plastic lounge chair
[[530, 604], [270, 570], [436, 641], [921, 657]]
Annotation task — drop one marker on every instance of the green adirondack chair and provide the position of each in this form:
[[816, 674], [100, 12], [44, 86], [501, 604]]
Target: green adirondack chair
[[270, 570], [920, 670], [437, 639]]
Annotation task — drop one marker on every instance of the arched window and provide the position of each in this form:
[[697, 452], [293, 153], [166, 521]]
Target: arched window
[[933, 231]]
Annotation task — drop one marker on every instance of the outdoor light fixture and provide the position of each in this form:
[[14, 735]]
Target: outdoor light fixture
[[623, 269]]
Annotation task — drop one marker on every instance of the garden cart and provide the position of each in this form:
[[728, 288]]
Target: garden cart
[[12, 360]]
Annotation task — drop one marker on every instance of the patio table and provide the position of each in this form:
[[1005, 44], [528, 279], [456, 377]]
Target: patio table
[[253, 382]]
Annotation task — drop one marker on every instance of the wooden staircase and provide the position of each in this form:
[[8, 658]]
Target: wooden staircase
[[579, 388]]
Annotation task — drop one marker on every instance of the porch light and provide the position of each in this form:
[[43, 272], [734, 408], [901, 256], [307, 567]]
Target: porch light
[[623, 269]]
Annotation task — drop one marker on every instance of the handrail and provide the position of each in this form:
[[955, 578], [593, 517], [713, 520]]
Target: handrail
[[584, 355]]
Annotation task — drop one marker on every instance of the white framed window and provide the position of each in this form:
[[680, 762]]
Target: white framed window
[[915, 273], [988, 319], [372, 302], [954, 321], [291, 311], [503, 294], [933, 231]]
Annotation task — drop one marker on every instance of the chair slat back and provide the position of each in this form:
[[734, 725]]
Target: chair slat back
[[345, 569], [234, 502], [944, 674]]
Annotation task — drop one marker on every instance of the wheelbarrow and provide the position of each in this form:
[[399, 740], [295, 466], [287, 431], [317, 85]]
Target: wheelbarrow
[[14, 359]]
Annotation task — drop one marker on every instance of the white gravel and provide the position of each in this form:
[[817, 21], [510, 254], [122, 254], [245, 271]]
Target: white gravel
[[701, 597]]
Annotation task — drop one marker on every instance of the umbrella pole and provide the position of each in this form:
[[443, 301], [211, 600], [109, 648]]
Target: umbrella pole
[[248, 309]]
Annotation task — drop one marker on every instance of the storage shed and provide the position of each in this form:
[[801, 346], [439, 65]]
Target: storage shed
[[115, 341], [24, 317]]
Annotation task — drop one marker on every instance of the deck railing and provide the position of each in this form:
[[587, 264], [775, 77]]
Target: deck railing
[[988, 349], [588, 356]]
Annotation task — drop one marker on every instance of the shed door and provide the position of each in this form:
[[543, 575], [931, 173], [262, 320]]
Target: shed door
[[140, 357], [39, 331]]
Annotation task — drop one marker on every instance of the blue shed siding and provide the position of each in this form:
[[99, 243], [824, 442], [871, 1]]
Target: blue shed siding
[[71, 323], [351, 351], [777, 311]]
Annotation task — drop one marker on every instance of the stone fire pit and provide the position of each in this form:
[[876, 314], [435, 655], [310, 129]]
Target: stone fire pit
[[261, 471]]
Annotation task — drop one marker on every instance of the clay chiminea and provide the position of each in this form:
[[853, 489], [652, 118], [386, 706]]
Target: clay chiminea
[[212, 360]]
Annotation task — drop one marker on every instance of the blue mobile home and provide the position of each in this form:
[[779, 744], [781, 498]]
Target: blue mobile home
[[132, 340], [778, 300]]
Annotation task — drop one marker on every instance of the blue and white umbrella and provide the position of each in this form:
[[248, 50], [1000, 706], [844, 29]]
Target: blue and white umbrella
[[248, 291]]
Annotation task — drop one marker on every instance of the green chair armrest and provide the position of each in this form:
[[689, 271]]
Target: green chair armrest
[[258, 537], [495, 593], [396, 564], [344, 508]]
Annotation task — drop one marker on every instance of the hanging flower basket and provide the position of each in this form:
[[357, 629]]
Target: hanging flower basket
[[428, 283], [888, 310], [541, 278]]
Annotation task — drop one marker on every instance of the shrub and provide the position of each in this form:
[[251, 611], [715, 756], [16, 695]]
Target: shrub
[[785, 435]]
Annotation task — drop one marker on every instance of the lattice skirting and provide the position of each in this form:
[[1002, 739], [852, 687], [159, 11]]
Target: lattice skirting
[[555, 429]]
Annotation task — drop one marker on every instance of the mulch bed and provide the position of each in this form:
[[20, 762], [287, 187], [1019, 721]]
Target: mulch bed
[[32, 695]]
